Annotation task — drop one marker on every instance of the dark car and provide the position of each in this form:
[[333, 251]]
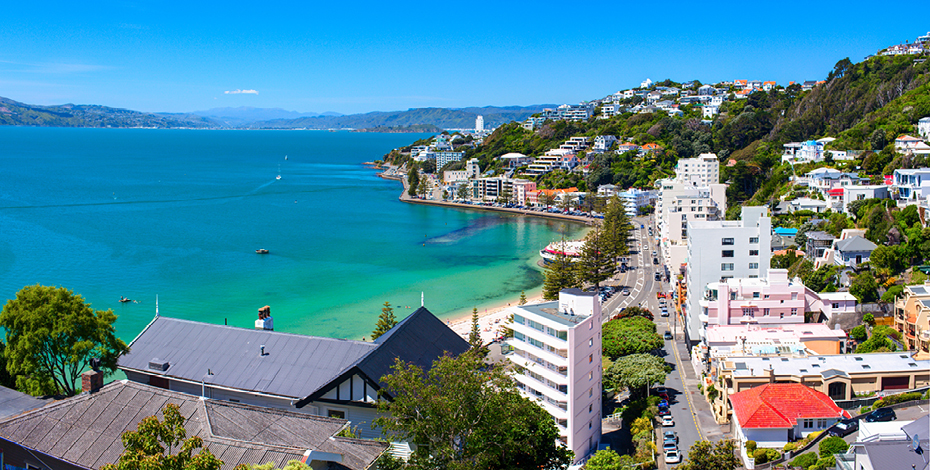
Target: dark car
[[845, 427], [881, 414], [668, 334], [663, 410]]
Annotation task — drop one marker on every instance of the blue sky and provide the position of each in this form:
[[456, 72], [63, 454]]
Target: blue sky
[[353, 57]]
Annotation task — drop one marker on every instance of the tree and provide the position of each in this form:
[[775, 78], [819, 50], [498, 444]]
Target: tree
[[864, 288], [636, 373], [423, 187], [616, 228], [636, 311], [545, 199], [607, 459], [596, 264], [868, 319], [804, 460], [153, 444], [559, 274], [522, 300], [52, 335], [474, 336], [386, 321], [832, 445], [413, 179], [466, 414], [463, 191], [625, 336], [858, 333], [706, 456], [878, 342]]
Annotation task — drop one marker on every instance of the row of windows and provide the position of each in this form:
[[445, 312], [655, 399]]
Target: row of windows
[[731, 241], [750, 312], [729, 267], [539, 344], [729, 253], [562, 335], [563, 388]]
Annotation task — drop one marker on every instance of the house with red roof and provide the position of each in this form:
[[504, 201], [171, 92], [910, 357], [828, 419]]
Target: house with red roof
[[775, 414]]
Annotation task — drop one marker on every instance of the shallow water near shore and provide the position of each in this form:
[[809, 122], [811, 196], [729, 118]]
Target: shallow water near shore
[[180, 213]]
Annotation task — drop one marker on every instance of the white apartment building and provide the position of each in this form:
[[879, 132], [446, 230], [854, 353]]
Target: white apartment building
[[858, 193], [634, 198], [911, 185], [442, 158], [603, 143], [471, 171], [479, 124], [923, 127], [556, 351], [703, 170], [679, 202], [724, 249]]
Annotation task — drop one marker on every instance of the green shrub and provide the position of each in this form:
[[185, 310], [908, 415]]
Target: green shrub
[[804, 460], [865, 409], [750, 447], [824, 463], [760, 456], [790, 447], [868, 319], [858, 333], [832, 445], [899, 398]]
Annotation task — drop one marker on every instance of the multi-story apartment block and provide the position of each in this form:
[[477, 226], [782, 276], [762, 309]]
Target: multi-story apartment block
[[442, 158], [532, 123], [556, 351], [773, 300], [479, 123], [568, 112], [912, 317], [911, 185], [492, 189], [679, 202], [724, 249], [633, 199], [521, 191], [555, 159], [703, 170]]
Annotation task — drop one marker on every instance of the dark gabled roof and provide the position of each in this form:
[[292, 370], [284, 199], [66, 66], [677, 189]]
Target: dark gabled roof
[[86, 429], [293, 365], [13, 403], [419, 339], [856, 243], [296, 366]]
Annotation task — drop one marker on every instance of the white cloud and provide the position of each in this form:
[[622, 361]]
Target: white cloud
[[236, 92]]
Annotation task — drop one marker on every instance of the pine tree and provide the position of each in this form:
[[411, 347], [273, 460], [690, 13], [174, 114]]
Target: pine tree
[[560, 274], [616, 228], [595, 264], [474, 337], [386, 321], [522, 298]]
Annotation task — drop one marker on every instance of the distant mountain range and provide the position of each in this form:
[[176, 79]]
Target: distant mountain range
[[70, 115]]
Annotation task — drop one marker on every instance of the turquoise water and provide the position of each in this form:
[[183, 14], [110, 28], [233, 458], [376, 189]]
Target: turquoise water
[[180, 213]]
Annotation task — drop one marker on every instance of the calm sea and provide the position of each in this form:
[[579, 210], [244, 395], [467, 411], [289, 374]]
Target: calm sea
[[180, 213]]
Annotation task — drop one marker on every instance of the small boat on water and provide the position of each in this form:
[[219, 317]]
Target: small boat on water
[[124, 299], [278, 177], [570, 248], [262, 251]]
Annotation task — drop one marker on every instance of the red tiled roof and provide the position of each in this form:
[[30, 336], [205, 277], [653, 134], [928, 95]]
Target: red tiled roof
[[835, 192], [781, 405]]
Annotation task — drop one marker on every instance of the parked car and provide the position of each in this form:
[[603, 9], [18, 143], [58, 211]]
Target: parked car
[[670, 446], [663, 410], [664, 312], [845, 427], [670, 435], [881, 414], [668, 334], [672, 457], [668, 421]]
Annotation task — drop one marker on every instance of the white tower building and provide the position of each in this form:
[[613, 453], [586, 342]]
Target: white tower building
[[479, 124]]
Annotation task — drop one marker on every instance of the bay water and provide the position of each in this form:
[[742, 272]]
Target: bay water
[[178, 214]]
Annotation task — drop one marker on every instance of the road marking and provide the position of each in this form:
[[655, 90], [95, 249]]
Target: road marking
[[687, 395]]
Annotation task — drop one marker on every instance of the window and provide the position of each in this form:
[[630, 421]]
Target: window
[[726, 241], [794, 312], [591, 342], [732, 295], [341, 414], [590, 407], [590, 392], [747, 312], [794, 296], [836, 305], [590, 358], [753, 252], [754, 266], [753, 239], [726, 266], [755, 295], [765, 312], [808, 423], [781, 315], [726, 253], [590, 375]]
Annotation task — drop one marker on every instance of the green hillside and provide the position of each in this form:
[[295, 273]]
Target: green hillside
[[14, 113]]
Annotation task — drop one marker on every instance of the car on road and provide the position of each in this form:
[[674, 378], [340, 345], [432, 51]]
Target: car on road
[[672, 456], [663, 410], [670, 436], [668, 334], [661, 391], [664, 312], [655, 260], [669, 446], [626, 291], [668, 421], [881, 414], [657, 276], [844, 427]]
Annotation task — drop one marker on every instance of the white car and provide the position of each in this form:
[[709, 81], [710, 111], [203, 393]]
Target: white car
[[667, 420], [672, 456]]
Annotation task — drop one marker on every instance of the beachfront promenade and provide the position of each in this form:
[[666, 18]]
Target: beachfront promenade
[[391, 174]]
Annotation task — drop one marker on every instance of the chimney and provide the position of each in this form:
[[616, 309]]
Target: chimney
[[91, 381]]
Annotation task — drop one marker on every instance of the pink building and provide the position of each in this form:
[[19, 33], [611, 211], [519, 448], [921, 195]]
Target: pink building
[[772, 301]]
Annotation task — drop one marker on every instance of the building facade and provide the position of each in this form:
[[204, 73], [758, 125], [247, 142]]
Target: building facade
[[556, 353], [912, 317]]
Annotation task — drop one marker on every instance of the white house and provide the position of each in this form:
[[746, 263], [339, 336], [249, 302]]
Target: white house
[[556, 351], [603, 143], [858, 193], [911, 185], [775, 414], [807, 204], [923, 127]]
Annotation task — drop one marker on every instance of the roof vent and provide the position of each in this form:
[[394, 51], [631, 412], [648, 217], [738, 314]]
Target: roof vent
[[159, 365]]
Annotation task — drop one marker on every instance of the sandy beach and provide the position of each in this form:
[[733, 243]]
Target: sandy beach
[[490, 320]]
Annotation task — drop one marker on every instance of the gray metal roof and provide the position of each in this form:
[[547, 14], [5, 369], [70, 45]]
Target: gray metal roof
[[13, 403], [856, 243], [895, 455], [292, 366], [86, 429], [295, 366], [818, 235]]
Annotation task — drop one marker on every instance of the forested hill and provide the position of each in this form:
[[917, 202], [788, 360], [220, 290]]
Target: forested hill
[[14, 113], [445, 118], [883, 96]]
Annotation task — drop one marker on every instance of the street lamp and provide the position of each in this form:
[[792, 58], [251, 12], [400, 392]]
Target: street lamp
[[203, 387]]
